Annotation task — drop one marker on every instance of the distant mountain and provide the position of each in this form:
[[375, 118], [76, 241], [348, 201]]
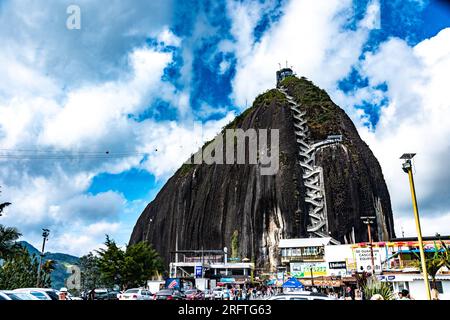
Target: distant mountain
[[63, 260]]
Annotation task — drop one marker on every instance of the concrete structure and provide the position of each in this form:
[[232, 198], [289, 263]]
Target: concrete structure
[[413, 282], [201, 264], [395, 262], [304, 257], [283, 73], [312, 174]]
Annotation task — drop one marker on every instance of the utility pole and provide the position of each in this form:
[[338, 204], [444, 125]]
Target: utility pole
[[407, 168], [312, 276], [369, 221], [45, 233]]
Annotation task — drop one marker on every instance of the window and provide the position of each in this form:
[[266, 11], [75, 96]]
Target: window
[[439, 287], [13, 296], [132, 291], [39, 295], [2, 297], [403, 286]]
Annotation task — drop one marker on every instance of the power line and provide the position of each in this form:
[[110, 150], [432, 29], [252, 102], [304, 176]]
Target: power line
[[36, 154]]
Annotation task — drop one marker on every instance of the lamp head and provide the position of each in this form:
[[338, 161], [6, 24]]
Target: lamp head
[[406, 166]]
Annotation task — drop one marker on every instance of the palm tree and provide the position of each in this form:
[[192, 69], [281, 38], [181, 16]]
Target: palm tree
[[47, 268], [434, 263], [8, 237], [3, 206]]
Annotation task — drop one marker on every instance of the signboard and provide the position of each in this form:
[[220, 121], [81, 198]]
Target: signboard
[[337, 265], [364, 260], [303, 269], [387, 278], [198, 271], [173, 283], [322, 282]]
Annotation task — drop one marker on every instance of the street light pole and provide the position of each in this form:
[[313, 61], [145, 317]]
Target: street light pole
[[45, 233], [369, 221], [407, 167]]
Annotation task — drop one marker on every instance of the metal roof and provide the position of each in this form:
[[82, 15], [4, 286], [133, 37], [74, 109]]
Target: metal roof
[[304, 242]]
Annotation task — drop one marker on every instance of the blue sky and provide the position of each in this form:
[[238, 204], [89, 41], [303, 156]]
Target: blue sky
[[135, 79]]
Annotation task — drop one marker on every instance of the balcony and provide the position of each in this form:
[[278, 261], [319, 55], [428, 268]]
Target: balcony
[[302, 258]]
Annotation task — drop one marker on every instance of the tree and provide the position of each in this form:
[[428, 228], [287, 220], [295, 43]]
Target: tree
[[3, 205], [235, 244], [141, 263], [434, 263], [19, 271], [90, 273], [373, 287], [133, 267], [110, 263], [8, 245], [46, 270], [446, 254]]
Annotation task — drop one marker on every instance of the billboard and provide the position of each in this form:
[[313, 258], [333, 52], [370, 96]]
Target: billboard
[[303, 269], [364, 260]]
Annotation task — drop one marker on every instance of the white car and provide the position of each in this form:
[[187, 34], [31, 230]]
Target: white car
[[136, 294], [217, 293], [40, 293], [304, 295], [14, 295]]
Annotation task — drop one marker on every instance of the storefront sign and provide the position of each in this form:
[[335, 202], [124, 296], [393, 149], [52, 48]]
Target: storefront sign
[[198, 271], [364, 259], [303, 269], [337, 265]]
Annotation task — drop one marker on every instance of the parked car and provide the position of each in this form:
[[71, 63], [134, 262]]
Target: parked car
[[40, 293], [114, 295], [101, 294], [209, 294], [304, 295], [218, 293], [136, 294], [10, 295], [24, 295], [194, 294], [168, 294]]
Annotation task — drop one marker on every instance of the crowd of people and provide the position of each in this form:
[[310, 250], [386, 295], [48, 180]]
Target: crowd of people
[[247, 293]]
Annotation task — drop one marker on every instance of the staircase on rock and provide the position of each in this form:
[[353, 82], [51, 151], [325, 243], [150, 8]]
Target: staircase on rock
[[312, 174]]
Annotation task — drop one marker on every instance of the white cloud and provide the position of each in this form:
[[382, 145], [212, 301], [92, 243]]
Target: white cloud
[[170, 144], [90, 113], [168, 38], [309, 36], [416, 119], [429, 225]]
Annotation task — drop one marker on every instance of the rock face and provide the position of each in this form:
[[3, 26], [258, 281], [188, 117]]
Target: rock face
[[201, 205]]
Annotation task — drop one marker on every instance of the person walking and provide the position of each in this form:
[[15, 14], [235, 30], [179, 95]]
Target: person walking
[[91, 295]]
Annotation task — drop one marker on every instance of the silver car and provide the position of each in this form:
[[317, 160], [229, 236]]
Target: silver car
[[303, 295], [13, 295]]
